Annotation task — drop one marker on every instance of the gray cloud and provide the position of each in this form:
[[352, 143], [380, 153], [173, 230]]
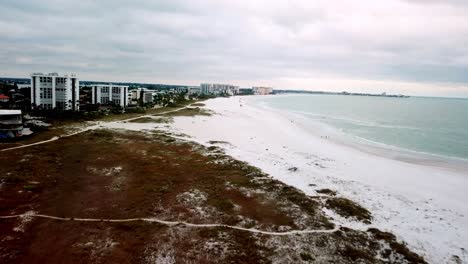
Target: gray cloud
[[244, 42]]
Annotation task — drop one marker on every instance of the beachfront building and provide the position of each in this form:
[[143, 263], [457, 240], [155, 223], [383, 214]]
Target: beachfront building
[[106, 94], [218, 89], [11, 123], [148, 97], [130, 97], [54, 91], [181, 89], [262, 90], [134, 95], [246, 91], [194, 90], [143, 95]]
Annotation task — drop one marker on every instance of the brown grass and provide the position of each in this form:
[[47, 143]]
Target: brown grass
[[349, 209], [72, 177], [327, 192], [163, 120], [191, 111], [355, 254], [75, 174], [398, 247]]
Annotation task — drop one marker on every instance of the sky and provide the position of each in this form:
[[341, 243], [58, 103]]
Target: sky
[[415, 47]]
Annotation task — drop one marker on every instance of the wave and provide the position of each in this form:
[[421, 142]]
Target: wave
[[355, 121], [329, 124]]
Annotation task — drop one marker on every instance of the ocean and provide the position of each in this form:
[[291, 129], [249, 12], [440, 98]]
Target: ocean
[[434, 126]]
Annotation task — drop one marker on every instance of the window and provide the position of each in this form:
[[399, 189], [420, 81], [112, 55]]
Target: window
[[48, 93]]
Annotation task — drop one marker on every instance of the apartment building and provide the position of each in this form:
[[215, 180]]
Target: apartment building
[[106, 94], [194, 90], [54, 91], [262, 90], [217, 89], [143, 95]]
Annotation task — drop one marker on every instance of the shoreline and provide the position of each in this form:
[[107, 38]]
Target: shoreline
[[136, 191], [372, 147], [263, 140], [430, 217], [319, 129]]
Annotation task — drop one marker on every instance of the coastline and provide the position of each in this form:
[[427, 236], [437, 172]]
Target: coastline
[[431, 218], [131, 191], [315, 126]]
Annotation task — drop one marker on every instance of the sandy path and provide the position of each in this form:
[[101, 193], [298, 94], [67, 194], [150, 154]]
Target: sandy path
[[172, 224]]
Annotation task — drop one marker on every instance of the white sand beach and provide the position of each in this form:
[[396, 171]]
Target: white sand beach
[[423, 205]]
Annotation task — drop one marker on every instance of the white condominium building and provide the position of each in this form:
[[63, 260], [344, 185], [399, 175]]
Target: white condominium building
[[194, 90], [262, 90], [215, 88], [50, 91], [145, 94], [110, 94]]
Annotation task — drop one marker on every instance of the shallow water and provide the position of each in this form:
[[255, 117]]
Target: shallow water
[[437, 126]]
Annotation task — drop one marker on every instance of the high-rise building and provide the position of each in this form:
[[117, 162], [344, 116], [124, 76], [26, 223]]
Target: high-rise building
[[262, 90], [54, 91], [110, 94], [194, 90], [217, 89]]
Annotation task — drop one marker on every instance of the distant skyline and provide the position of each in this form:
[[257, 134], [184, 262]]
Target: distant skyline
[[415, 47]]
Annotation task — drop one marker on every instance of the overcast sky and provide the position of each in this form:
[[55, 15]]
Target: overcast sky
[[417, 47]]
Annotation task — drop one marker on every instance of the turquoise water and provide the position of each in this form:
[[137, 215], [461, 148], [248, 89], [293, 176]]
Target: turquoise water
[[430, 125]]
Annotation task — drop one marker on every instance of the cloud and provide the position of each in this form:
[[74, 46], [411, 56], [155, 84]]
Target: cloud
[[242, 42]]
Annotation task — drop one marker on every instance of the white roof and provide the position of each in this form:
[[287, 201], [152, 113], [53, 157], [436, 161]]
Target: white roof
[[107, 84], [53, 74], [10, 112]]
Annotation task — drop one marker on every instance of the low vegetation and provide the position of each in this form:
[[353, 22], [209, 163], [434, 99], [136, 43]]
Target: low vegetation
[[163, 120], [307, 257], [395, 246], [191, 111], [349, 209], [326, 192], [355, 255], [216, 142], [122, 174]]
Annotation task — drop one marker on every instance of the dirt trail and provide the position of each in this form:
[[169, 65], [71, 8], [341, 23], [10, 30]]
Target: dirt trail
[[98, 125], [174, 223]]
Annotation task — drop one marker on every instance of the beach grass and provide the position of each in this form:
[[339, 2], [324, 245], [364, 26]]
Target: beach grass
[[349, 209], [122, 174]]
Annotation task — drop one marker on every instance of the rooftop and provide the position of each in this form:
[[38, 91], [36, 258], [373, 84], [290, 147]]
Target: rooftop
[[109, 84], [10, 112], [52, 74]]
